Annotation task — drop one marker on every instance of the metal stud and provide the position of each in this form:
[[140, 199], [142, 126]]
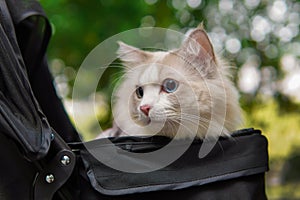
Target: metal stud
[[65, 160], [52, 136], [50, 178]]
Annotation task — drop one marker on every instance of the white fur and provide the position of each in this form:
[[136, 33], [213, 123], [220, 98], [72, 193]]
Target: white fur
[[204, 104]]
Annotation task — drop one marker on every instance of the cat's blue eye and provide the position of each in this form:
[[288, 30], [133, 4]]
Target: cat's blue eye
[[170, 85], [139, 92]]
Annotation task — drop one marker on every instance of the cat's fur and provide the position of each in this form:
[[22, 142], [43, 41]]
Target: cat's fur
[[205, 96]]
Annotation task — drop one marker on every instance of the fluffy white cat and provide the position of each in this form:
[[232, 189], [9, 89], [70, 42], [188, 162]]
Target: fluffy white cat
[[182, 93]]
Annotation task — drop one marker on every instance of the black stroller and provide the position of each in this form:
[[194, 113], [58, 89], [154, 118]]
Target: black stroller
[[42, 156]]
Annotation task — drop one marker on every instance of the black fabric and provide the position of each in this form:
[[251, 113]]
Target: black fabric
[[17, 174], [28, 144], [21, 117], [33, 32], [27, 96], [242, 188], [234, 169], [44, 91], [32, 29]]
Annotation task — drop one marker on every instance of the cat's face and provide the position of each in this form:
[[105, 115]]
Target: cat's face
[[162, 91]]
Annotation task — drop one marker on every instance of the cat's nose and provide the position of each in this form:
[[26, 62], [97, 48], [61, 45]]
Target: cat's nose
[[145, 109]]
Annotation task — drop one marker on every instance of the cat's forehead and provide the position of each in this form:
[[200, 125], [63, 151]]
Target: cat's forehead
[[161, 66], [150, 74]]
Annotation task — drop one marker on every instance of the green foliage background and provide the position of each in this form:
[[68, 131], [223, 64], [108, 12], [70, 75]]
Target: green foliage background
[[264, 35]]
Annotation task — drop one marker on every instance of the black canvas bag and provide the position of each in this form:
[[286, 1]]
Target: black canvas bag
[[36, 137], [234, 169]]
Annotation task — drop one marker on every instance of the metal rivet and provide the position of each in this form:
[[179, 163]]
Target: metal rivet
[[50, 178], [52, 136], [65, 160]]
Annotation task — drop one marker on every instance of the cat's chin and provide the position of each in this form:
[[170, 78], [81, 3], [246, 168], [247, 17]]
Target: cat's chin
[[145, 121], [150, 121]]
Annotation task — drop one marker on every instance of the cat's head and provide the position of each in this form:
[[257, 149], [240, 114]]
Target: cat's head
[[184, 89]]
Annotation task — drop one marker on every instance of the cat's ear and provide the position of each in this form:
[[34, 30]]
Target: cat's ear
[[199, 45], [131, 55]]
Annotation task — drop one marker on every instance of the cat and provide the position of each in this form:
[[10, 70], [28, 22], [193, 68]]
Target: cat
[[183, 93]]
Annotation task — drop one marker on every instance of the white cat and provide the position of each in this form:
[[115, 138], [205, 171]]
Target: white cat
[[185, 92]]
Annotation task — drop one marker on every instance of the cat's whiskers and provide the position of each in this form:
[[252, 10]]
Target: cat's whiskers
[[198, 120], [172, 126], [178, 121], [174, 115]]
